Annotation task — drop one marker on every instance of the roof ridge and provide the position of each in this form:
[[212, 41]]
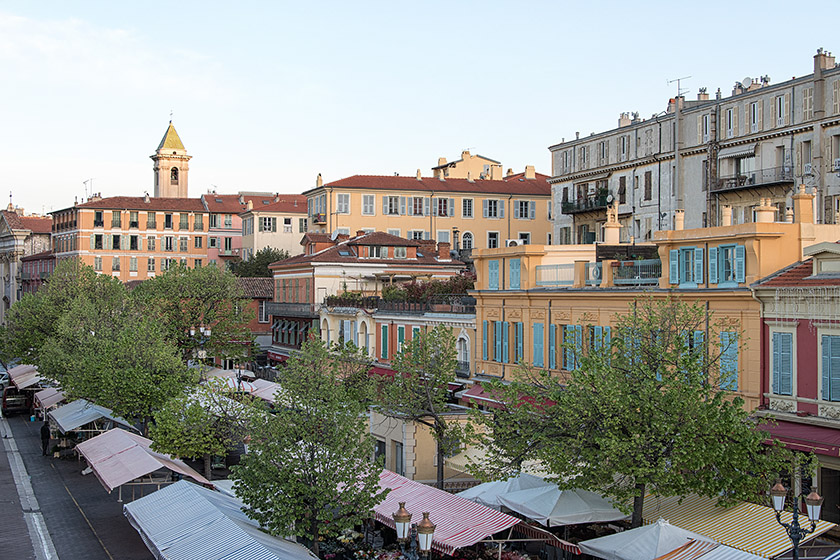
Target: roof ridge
[[779, 272]]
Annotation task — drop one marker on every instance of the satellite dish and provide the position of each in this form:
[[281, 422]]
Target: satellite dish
[[610, 199], [334, 235], [746, 82]]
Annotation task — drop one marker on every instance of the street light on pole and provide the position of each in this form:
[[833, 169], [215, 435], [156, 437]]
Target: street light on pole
[[813, 505], [201, 354], [406, 532]]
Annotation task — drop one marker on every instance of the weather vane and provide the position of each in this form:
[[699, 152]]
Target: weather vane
[[170, 115]]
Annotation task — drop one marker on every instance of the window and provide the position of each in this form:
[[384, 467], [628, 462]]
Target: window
[[343, 203], [780, 110], [302, 225], [399, 459], [730, 122], [603, 152], [378, 252], [134, 243], [97, 241], [228, 221], [686, 266], [573, 346], [400, 337], [443, 236], [830, 367], [167, 221], [198, 222], [467, 208], [755, 116], [168, 243], [466, 240], [493, 274], [391, 232], [115, 263], [782, 363], [525, 210], [727, 265], [493, 208], [383, 343], [97, 219], [116, 219], [525, 237], [513, 275], [492, 239], [132, 264], [214, 220], [115, 242], [368, 204], [417, 204], [173, 176], [97, 264], [729, 361], [268, 224], [198, 242], [400, 252], [648, 185], [622, 146], [150, 264], [228, 244], [622, 190], [584, 157], [287, 225], [183, 222], [133, 220], [183, 244], [518, 342], [416, 234], [538, 357], [391, 205], [197, 263], [444, 206], [808, 103]]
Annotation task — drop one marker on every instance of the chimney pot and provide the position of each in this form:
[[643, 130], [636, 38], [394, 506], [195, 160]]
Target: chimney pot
[[419, 175], [530, 173], [443, 250], [360, 233], [319, 182], [679, 220]]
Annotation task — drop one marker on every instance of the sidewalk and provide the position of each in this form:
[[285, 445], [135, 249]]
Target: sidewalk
[[83, 520]]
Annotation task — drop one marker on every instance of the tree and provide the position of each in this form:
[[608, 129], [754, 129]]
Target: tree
[[642, 413], [419, 391], [309, 470], [201, 423], [257, 265], [183, 299]]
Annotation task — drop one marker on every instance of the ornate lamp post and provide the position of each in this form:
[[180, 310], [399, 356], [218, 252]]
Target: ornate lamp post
[[204, 336], [813, 505], [406, 532]]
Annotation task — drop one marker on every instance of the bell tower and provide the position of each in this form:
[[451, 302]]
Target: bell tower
[[171, 166]]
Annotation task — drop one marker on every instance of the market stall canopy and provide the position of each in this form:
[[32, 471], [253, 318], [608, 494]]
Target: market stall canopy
[[477, 454], [24, 376], [80, 412], [643, 543], [459, 522], [701, 550], [118, 457], [266, 390], [49, 397], [748, 527], [187, 522], [488, 493], [552, 506]]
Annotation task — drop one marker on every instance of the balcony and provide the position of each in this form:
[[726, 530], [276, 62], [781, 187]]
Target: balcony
[[752, 179], [278, 309], [229, 252], [549, 275], [319, 218], [44, 274], [98, 223], [460, 304], [116, 223], [352, 301], [587, 204], [462, 369], [637, 273], [135, 224]]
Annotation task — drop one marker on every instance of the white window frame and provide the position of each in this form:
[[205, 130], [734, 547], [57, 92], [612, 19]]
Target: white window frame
[[263, 317], [754, 124], [729, 115], [400, 252], [707, 127], [393, 205], [442, 235], [369, 204], [823, 331], [394, 232], [467, 208], [791, 329], [472, 240], [493, 208], [780, 110], [343, 203], [498, 239]]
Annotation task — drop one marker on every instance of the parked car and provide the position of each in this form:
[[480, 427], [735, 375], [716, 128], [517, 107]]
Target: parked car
[[16, 401]]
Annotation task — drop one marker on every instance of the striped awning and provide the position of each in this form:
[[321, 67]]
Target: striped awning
[[701, 550], [744, 150], [24, 376], [459, 522], [49, 397], [748, 527]]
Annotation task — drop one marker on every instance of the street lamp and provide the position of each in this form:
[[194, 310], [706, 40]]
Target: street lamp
[[406, 533], [813, 505], [202, 353]]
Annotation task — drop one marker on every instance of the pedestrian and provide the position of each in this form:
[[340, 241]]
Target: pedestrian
[[45, 437]]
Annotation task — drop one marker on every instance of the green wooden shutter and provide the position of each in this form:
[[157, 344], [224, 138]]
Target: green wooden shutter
[[505, 342], [674, 268], [552, 346], [400, 337], [537, 346], [740, 263], [484, 340], [383, 350]]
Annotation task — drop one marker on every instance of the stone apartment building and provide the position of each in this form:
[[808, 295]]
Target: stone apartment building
[[20, 236], [712, 157]]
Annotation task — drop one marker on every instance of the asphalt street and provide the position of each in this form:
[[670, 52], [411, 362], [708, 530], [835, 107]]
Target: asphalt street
[[49, 510]]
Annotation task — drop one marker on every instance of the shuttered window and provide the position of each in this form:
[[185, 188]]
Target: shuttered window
[[729, 361], [783, 363], [830, 368], [538, 356], [493, 274], [514, 274]]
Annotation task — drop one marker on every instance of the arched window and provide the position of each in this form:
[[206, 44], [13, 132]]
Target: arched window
[[173, 176], [325, 331], [463, 349], [466, 240], [363, 336]]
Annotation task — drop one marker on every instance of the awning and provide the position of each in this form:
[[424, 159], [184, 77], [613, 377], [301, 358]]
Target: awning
[[118, 457], [702, 550], [277, 357], [24, 376], [187, 522], [49, 397], [478, 395], [81, 412], [266, 390], [805, 437], [383, 371], [550, 506], [748, 527], [744, 150], [459, 522]]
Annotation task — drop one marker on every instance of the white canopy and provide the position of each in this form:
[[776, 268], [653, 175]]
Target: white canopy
[[643, 543], [24, 376], [551, 506], [80, 412], [488, 493]]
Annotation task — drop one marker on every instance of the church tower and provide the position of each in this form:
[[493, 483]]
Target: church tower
[[171, 166]]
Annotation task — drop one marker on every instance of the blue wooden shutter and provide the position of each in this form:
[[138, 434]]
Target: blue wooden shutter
[[786, 364], [578, 343], [505, 342], [426, 202], [501, 204], [514, 274], [516, 209], [484, 340], [597, 337], [826, 367], [520, 341], [402, 206], [777, 362], [497, 339], [552, 346], [607, 336], [698, 265], [484, 208], [434, 207], [740, 263], [568, 348], [493, 273], [674, 262], [355, 332], [532, 208], [384, 205], [538, 357], [834, 379], [713, 265], [450, 207], [729, 361]]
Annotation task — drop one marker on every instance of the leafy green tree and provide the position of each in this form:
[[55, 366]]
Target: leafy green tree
[[642, 413], [309, 470], [201, 423], [183, 299], [419, 391], [257, 265]]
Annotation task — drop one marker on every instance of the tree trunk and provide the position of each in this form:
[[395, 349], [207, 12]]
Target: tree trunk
[[208, 466], [313, 533], [440, 455], [638, 503]]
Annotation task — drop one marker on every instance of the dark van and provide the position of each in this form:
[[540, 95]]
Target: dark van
[[16, 401]]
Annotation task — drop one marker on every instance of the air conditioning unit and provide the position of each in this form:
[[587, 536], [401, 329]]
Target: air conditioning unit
[[806, 169], [514, 242]]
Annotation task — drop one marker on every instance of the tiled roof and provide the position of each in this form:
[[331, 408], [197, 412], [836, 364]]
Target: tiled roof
[[382, 238], [170, 140], [288, 204], [797, 275], [139, 203], [257, 288], [315, 237], [36, 224], [38, 256], [515, 184]]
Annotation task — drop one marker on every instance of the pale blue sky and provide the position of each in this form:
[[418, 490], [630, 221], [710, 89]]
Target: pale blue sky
[[266, 95]]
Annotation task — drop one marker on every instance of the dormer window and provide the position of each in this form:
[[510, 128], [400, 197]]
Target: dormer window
[[827, 266], [400, 252], [378, 252], [173, 176]]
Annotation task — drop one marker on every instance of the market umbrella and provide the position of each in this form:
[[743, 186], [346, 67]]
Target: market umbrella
[[551, 506], [488, 494], [643, 543]]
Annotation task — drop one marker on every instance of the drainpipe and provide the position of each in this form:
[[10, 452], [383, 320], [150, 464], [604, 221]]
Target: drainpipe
[[510, 209]]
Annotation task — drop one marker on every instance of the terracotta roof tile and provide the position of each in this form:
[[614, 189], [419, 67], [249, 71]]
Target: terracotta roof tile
[[257, 288], [797, 275], [382, 238], [314, 237], [39, 256], [36, 224], [515, 184], [139, 203], [288, 204]]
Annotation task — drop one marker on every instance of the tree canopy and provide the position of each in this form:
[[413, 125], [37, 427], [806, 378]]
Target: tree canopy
[[645, 411], [309, 470], [257, 265]]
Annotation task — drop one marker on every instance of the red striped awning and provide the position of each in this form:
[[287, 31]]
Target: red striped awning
[[459, 522], [477, 394], [803, 437]]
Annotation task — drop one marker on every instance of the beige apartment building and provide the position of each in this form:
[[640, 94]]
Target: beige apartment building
[[701, 155], [279, 223], [468, 213]]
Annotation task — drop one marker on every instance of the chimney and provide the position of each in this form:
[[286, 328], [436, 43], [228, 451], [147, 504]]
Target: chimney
[[427, 246], [679, 220], [789, 216], [341, 237], [319, 182], [577, 135], [496, 172], [765, 212], [146, 198], [702, 95], [465, 155], [443, 251], [509, 172], [419, 175], [823, 60], [241, 199], [726, 215], [803, 207], [529, 172], [249, 205], [441, 161], [276, 197], [624, 120], [360, 233], [469, 177]]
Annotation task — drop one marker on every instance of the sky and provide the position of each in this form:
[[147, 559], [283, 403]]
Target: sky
[[266, 95]]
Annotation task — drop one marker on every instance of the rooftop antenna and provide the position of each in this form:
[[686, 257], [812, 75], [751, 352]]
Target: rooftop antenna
[[170, 115], [88, 183], [680, 90]]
